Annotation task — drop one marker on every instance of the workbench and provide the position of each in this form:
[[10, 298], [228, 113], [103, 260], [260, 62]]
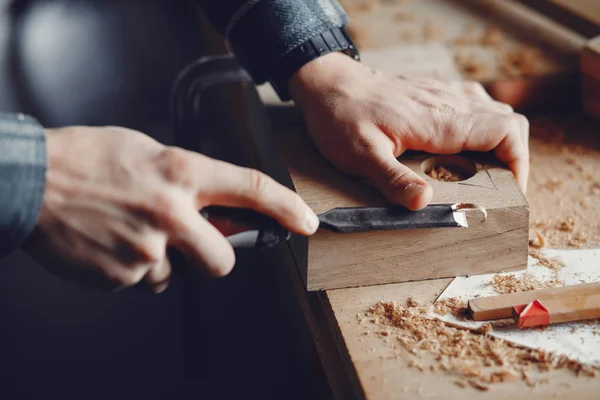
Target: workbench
[[360, 363]]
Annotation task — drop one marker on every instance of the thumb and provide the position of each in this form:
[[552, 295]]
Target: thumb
[[398, 183]]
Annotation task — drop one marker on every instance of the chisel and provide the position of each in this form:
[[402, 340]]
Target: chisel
[[248, 229]]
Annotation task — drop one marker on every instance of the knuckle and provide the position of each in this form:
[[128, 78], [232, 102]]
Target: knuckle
[[176, 166], [394, 177], [258, 184], [223, 265], [150, 249], [364, 146], [522, 121], [164, 207]]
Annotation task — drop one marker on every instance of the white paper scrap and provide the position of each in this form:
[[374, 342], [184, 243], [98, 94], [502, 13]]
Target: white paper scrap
[[577, 340]]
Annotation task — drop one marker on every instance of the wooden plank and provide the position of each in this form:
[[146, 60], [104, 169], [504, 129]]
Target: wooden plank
[[531, 24], [576, 308], [587, 9], [498, 307], [590, 80], [553, 82], [557, 310], [383, 375], [355, 259], [582, 16]]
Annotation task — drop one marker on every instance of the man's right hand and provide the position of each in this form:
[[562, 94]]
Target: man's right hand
[[115, 199]]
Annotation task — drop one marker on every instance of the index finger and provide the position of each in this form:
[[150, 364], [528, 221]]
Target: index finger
[[229, 185], [508, 136]]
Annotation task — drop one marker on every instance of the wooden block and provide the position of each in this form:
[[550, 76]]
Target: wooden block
[[338, 260], [557, 310], [582, 16], [590, 77], [498, 307]]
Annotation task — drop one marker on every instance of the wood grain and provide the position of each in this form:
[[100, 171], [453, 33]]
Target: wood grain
[[590, 80], [498, 307], [576, 308], [338, 260], [582, 16], [557, 310], [383, 375], [587, 9]]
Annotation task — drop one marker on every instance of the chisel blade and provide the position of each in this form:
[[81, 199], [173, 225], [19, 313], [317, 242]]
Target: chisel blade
[[363, 219]]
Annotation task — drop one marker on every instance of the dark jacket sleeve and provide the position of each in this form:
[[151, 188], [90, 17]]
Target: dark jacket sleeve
[[23, 164], [261, 32]]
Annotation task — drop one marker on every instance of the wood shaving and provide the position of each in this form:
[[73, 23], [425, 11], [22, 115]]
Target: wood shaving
[[473, 69], [403, 15], [411, 302], [568, 225], [539, 241], [578, 240], [522, 61], [466, 38], [479, 385], [554, 184], [432, 31], [493, 36], [463, 40], [553, 263], [408, 36], [511, 283], [368, 6], [452, 305], [486, 328], [478, 360], [562, 150], [447, 174]]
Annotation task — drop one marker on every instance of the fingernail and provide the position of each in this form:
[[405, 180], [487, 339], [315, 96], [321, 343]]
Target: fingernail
[[311, 222], [158, 289], [412, 192]]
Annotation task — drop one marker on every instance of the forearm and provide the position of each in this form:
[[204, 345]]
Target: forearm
[[23, 167], [261, 32]]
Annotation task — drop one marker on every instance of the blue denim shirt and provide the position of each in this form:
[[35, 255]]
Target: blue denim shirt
[[259, 31], [23, 164]]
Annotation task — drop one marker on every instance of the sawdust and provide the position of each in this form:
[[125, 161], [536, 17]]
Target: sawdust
[[368, 6], [493, 36], [564, 209], [446, 174], [408, 36], [452, 305], [495, 51], [411, 302], [478, 360], [472, 68], [539, 242], [523, 60], [552, 263], [511, 283], [403, 15], [432, 31], [466, 38], [360, 35]]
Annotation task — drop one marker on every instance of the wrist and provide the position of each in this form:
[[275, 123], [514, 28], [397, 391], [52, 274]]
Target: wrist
[[332, 41], [318, 74]]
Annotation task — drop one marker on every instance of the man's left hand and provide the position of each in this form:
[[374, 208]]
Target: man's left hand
[[362, 121]]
